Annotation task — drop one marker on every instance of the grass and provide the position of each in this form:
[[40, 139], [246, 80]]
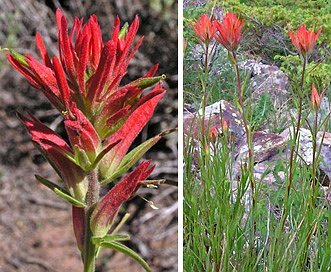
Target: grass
[[218, 219]]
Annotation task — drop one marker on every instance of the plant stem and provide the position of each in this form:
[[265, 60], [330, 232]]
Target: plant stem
[[297, 129], [90, 249], [291, 159], [204, 98], [249, 147]]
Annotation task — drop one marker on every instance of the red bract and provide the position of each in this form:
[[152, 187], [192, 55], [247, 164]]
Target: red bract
[[315, 101], [82, 134], [213, 134], [304, 40], [229, 31], [131, 128], [89, 73], [103, 215], [122, 103], [57, 151], [205, 28]]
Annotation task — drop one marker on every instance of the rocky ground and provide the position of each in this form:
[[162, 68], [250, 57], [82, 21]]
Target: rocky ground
[[35, 226]]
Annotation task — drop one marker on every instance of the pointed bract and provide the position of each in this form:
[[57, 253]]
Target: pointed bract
[[57, 152], [106, 210], [316, 99], [82, 133]]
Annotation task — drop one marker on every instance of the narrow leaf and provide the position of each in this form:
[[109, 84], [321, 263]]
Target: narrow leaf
[[148, 81], [61, 192], [70, 199], [109, 239], [132, 157], [127, 251], [18, 57]]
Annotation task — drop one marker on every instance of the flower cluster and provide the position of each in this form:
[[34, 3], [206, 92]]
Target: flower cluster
[[101, 118], [205, 28], [304, 40], [228, 32]]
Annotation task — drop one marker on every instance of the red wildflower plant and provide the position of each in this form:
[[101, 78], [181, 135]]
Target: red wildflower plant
[[229, 31], [205, 28], [304, 40], [101, 120]]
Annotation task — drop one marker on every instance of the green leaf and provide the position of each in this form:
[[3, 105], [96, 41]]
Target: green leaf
[[17, 56], [81, 158], [64, 194], [148, 81], [127, 251], [110, 238], [123, 31], [132, 157], [103, 153], [231, 58]]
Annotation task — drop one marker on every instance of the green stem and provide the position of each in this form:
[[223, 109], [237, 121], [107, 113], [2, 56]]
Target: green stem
[[315, 161], [291, 159], [250, 150], [204, 98], [90, 250], [297, 129]]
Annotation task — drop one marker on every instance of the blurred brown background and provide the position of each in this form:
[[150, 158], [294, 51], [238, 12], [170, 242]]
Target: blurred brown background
[[35, 226]]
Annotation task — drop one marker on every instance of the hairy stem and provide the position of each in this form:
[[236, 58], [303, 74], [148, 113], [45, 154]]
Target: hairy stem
[[90, 249]]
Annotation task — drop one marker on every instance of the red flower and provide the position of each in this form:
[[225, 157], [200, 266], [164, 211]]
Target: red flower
[[304, 40], [57, 151], [87, 71], [205, 28], [229, 31], [106, 210], [316, 99], [213, 134]]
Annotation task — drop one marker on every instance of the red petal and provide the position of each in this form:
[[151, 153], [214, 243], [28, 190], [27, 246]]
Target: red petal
[[62, 83], [97, 82], [42, 49]]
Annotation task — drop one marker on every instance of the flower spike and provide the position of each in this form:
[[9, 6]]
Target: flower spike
[[205, 28], [101, 121], [229, 31], [304, 40]]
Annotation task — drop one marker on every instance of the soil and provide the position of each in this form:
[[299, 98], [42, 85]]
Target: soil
[[35, 225]]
